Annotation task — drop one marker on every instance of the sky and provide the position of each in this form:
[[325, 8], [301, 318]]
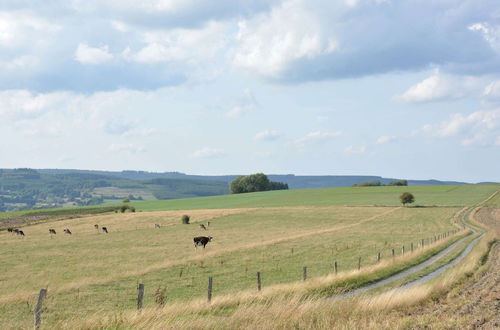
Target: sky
[[396, 88]]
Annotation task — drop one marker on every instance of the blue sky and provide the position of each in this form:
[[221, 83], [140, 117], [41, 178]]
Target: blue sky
[[407, 89]]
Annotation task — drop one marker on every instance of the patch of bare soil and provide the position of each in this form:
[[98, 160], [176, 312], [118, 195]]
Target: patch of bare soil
[[474, 303]]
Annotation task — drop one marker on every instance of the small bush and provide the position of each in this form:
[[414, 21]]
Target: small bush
[[160, 296], [185, 219]]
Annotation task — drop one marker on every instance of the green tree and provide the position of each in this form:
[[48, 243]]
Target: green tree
[[254, 182], [398, 183], [406, 198]]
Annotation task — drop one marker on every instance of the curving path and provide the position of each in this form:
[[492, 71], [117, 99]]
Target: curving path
[[423, 265]]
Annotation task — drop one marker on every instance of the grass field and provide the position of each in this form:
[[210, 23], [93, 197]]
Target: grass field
[[276, 233], [463, 195]]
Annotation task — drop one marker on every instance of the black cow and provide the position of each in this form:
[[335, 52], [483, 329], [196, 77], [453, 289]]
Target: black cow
[[104, 229], [157, 225], [20, 232], [15, 230], [96, 226], [201, 240], [67, 231], [52, 231], [202, 226], [10, 230]]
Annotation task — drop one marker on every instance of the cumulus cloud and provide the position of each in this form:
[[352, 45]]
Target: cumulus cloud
[[208, 153], [303, 40], [385, 139], [20, 104], [440, 87], [270, 42], [91, 55], [267, 135], [316, 137], [479, 127]]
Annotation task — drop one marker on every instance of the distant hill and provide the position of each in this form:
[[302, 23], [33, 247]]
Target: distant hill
[[293, 181], [24, 188]]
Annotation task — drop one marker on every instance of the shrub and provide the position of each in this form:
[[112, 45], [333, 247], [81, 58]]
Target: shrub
[[185, 219], [160, 296]]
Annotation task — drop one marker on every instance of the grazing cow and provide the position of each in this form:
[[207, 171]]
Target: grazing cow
[[104, 229], [67, 231], [157, 225], [52, 231], [202, 226], [201, 240], [10, 230], [96, 227], [20, 232]]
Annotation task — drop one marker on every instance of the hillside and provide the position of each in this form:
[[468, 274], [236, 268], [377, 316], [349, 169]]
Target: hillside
[[276, 233], [24, 189]]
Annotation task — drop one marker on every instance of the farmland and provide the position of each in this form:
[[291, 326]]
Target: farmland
[[276, 233]]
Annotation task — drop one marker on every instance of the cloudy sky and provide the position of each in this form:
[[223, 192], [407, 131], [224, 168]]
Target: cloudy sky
[[398, 88]]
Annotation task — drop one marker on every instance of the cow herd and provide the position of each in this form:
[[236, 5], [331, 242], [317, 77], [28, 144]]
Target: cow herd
[[198, 241], [15, 231]]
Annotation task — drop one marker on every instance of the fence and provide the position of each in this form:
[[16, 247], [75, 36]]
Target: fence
[[335, 269]]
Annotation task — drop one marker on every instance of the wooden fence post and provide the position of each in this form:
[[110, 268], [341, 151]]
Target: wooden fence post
[[259, 283], [378, 257], [335, 268], [304, 274], [140, 295], [403, 250], [38, 308], [393, 255], [411, 247], [210, 282]]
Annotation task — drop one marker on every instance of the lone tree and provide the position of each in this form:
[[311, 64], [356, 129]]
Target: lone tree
[[406, 198], [255, 182]]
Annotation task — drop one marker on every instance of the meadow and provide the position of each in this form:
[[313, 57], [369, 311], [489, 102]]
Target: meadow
[[276, 233]]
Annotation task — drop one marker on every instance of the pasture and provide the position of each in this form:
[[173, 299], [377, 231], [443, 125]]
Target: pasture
[[90, 271]]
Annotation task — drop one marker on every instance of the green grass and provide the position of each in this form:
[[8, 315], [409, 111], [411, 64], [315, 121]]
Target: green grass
[[460, 195], [88, 271], [276, 233]]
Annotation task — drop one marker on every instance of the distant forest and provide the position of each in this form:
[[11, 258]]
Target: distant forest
[[24, 188]]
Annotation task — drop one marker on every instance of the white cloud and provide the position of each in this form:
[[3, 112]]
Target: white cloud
[[90, 55], [351, 150], [19, 104], [17, 29], [316, 137], [479, 127], [492, 91], [208, 153], [439, 87], [267, 135], [385, 139], [191, 45], [270, 42], [490, 32]]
